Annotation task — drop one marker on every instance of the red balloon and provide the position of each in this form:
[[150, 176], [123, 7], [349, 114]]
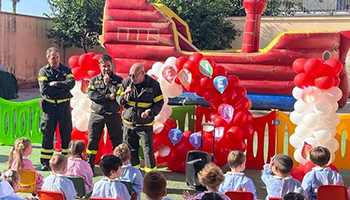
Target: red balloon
[[248, 132], [334, 168], [324, 82], [78, 73], [180, 62], [206, 82], [218, 121], [201, 91], [91, 54], [164, 134], [240, 119], [85, 61], [196, 57], [221, 155], [212, 95], [307, 166], [241, 91], [219, 71], [335, 64], [157, 142], [176, 80], [194, 86], [233, 81], [92, 73], [191, 66], [240, 145], [327, 70], [186, 134], [171, 122], [336, 80], [250, 117], [235, 132], [297, 173], [229, 96], [243, 104], [159, 159], [211, 61], [298, 65], [73, 61], [96, 57], [313, 67], [302, 80]]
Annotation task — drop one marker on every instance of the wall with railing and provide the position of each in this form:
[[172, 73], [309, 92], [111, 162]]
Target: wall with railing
[[272, 130]]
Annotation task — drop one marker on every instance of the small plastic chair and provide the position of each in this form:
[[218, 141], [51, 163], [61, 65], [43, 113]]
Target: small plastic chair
[[101, 198], [275, 198], [240, 195], [50, 195], [332, 192], [27, 181], [79, 185]]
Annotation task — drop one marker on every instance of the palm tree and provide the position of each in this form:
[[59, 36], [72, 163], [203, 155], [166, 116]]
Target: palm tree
[[14, 5]]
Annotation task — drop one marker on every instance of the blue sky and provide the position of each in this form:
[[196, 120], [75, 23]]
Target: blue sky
[[27, 7]]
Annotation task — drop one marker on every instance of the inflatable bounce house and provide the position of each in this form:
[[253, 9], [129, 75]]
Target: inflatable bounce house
[[139, 31]]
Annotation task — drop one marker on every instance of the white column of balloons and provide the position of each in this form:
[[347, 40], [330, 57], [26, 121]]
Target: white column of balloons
[[81, 107], [314, 114], [165, 74]]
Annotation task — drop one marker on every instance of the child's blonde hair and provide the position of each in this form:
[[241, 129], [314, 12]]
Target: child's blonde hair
[[123, 152], [76, 148], [11, 176], [211, 175], [21, 144], [235, 158], [58, 162]]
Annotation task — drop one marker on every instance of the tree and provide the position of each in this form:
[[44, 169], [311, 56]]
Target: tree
[[14, 5], [207, 21], [76, 22], [282, 7]]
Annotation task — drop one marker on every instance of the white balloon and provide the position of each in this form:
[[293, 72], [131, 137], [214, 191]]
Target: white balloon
[[161, 117], [312, 141], [322, 107], [171, 61], [167, 110], [166, 100], [301, 107], [175, 90], [297, 92], [295, 141], [82, 124], [298, 157], [332, 144], [322, 133], [331, 160], [334, 93], [302, 131], [85, 104], [158, 127], [333, 120], [156, 68], [74, 103], [296, 118], [311, 120], [78, 113], [335, 106]]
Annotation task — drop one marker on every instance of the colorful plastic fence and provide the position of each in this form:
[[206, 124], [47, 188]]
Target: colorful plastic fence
[[20, 119]]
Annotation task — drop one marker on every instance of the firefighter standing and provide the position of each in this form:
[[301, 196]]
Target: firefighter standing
[[55, 83], [142, 99], [104, 108]]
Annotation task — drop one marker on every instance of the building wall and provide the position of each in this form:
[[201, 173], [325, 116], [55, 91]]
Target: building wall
[[23, 39]]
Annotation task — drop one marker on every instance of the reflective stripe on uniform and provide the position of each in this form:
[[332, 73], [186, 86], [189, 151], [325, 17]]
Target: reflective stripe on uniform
[[64, 151], [150, 169], [139, 104], [148, 124], [91, 151], [46, 150], [45, 156], [120, 92], [69, 76], [137, 166], [42, 78], [158, 98], [57, 101], [91, 87]]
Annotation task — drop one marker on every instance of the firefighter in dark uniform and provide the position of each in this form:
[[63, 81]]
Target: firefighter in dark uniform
[[55, 83], [104, 108], [142, 99]]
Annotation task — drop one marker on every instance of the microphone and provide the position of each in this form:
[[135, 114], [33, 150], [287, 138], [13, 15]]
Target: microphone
[[127, 95]]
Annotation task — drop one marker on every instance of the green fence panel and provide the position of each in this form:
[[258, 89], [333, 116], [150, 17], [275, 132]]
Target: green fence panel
[[185, 117], [20, 119]]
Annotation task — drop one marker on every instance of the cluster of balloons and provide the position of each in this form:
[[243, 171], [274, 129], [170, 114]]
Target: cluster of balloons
[[228, 101], [84, 66], [314, 114]]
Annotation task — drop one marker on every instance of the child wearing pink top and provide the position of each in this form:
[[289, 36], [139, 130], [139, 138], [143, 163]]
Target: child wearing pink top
[[77, 166], [18, 159]]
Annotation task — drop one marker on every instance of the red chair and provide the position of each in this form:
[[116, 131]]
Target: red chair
[[50, 195], [332, 192], [275, 198], [101, 198], [240, 195]]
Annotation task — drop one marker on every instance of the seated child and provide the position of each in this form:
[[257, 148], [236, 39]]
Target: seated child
[[77, 166], [57, 181], [154, 186], [18, 159], [211, 196], [110, 186], [280, 182], [12, 177], [320, 174], [129, 173], [293, 196], [6, 191], [211, 176], [235, 180]]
